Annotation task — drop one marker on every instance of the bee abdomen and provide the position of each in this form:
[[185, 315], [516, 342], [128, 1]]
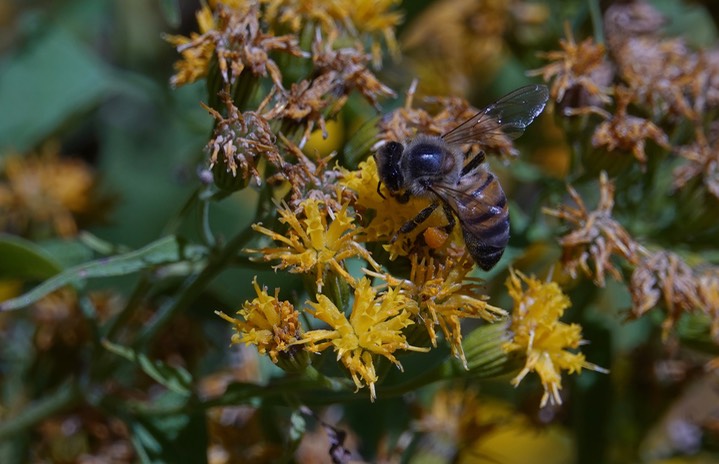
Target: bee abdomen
[[486, 229], [487, 247]]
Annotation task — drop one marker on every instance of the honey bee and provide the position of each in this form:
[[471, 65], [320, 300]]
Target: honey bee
[[437, 167]]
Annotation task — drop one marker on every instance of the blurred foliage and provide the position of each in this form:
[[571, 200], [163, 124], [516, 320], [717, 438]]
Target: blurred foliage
[[119, 241]]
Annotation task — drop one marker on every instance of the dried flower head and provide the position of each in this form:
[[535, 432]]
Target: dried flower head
[[663, 277], [660, 71], [622, 131], [349, 68], [318, 242], [239, 140], [580, 73], [43, 192], [271, 325], [374, 328], [232, 32], [702, 161], [596, 235], [541, 336]]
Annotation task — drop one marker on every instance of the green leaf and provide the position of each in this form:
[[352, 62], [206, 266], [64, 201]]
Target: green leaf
[[176, 379], [22, 259], [42, 88], [171, 12], [164, 251]]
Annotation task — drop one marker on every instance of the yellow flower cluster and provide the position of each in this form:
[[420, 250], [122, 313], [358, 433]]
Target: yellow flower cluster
[[268, 323], [373, 328], [314, 245], [541, 336]]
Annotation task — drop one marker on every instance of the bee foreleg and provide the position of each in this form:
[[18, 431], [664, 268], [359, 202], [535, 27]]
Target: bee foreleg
[[451, 221], [412, 224], [473, 164]]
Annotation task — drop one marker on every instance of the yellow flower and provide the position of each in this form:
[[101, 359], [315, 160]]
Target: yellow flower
[[44, 190], [544, 339], [375, 19], [313, 244], [374, 328], [388, 215], [268, 323], [444, 296]]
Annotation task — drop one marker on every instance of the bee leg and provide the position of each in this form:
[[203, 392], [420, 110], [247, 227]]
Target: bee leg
[[451, 221], [473, 164], [379, 184], [412, 224]]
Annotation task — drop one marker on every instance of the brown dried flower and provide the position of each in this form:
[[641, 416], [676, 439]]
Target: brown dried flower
[[596, 235], [664, 275], [579, 72], [702, 158], [622, 131], [660, 71], [240, 139], [234, 34], [348, 66]]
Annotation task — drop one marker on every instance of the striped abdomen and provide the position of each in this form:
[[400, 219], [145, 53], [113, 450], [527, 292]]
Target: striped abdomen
[[484, 217]]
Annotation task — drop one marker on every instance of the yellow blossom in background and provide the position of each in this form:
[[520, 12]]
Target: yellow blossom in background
[[541, 336], [268, 323], [374, 328], [387, 214], [44, 190], [314, 243]]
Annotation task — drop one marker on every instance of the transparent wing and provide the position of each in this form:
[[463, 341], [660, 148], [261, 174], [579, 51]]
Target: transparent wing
[[509, 116], [453, 196]]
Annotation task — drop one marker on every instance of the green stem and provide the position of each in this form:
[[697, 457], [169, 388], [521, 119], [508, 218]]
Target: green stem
[[207, 236], [192, 287]]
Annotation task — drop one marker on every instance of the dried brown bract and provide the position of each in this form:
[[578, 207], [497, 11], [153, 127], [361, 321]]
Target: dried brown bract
[[622, 131], [596, 236], [580, 73], [240, 139], [348, 66], [702, 161], [664, 277], [307, 103]]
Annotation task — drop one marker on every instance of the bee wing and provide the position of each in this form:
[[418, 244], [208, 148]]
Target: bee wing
[[452, 196], [509, 115]]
